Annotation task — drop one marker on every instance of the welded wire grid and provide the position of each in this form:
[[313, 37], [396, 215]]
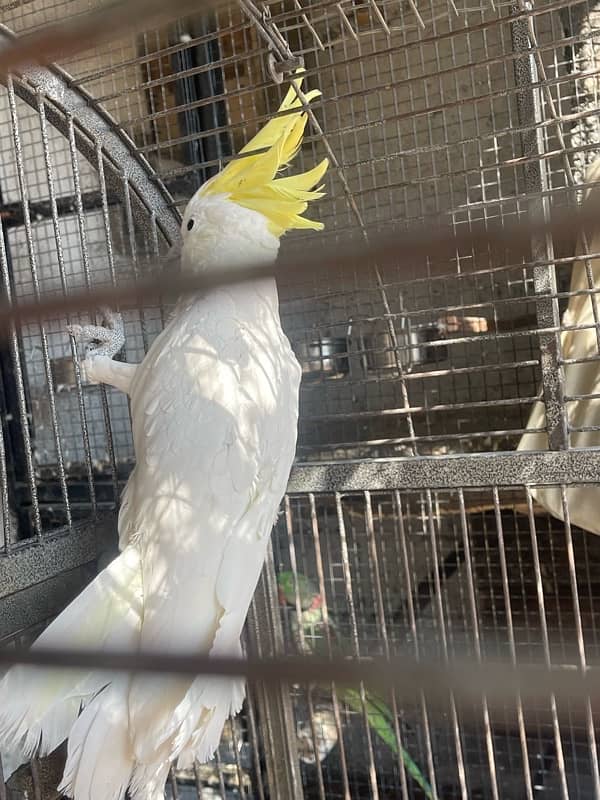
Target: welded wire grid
[[63, 229], [423, 116], [465, 111], [441, 573], [420, 121]]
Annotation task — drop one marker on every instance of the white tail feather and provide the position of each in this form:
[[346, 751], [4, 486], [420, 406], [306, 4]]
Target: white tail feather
[[38, 707], [148, 782], [197, 714], [100, 757], [228, 697]]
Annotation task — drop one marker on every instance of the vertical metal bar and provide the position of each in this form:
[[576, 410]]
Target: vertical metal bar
[[23, 416], [219, 765], [134, 254], [444, 642], [383, 631], [489, 742], [198, 781], [105, 213], [173, 784], [302, 641], [276, 714], [236, 752], [86, 272], [546, 644], [113, 279], [255, 743], [325, 611], [4, 505], [580, 640], [34, 766], [531, 116], [355, 638], [2, 782], [413, 628], [511, 641], [155, 250], [15, 459]]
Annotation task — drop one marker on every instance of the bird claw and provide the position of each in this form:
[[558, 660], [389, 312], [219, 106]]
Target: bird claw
[[101, 340]]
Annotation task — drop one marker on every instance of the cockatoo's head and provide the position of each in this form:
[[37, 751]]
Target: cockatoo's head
[[219, 234], [238, 216]]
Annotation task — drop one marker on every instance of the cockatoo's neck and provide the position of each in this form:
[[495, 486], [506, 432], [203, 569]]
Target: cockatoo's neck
[[264, 289], [219, 235], [250, 298]]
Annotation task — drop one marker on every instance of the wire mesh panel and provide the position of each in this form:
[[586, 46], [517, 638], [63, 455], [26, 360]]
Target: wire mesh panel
[[471, 114], [67, 224], [438, 574]]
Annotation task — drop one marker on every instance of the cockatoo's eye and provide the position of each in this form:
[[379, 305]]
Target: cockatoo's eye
[[190, 224]]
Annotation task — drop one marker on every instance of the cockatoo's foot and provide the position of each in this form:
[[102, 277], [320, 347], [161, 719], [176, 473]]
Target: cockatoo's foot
[[101, 340], [102, 343]]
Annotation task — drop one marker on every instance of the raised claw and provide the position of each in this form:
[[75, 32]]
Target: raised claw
[[113, 320], [101, 340], [75, 331]]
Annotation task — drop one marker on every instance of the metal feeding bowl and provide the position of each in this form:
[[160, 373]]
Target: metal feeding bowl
[[329, 356], [413, 347], [326, 357]]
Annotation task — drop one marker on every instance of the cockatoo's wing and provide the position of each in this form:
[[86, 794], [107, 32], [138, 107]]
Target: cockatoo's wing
[[201, 506]]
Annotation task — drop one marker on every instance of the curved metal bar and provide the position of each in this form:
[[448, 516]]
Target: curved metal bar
[[94, 125]]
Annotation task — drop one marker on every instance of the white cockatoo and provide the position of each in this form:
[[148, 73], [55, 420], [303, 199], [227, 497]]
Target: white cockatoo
[[214, 408], [581, 381]]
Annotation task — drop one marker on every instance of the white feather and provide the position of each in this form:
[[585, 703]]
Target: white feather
[[38, 706], [100, 757], [202, 521]]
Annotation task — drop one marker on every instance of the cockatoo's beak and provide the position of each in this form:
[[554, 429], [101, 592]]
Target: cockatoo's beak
[[174, 251], [172, 258]]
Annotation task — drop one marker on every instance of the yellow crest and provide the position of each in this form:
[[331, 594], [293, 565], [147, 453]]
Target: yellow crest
[[252, 181]]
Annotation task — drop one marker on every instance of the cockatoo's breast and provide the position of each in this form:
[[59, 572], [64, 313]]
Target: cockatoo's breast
[[215, 402]]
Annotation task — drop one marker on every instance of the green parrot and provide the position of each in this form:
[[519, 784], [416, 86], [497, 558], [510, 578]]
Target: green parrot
[[316, 634]]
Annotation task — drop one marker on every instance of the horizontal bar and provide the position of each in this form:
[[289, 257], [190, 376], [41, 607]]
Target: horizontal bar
[[35, 562], [481, 470], [12, 214], [500, 682], [40, 602], [354, 258]]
